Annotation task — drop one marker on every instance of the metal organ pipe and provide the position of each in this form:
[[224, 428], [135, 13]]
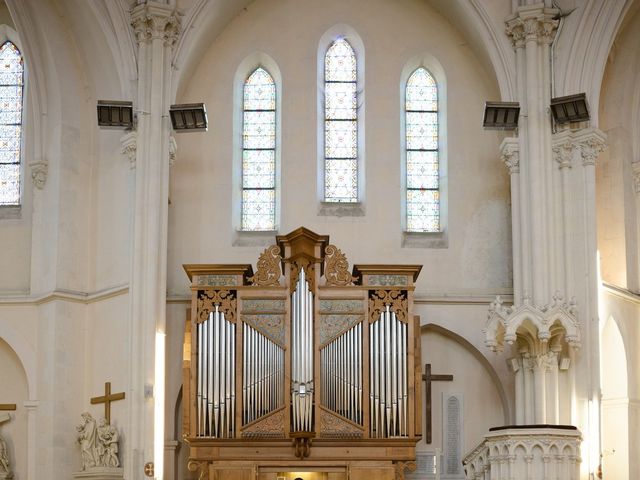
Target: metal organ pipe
[[302, 356], [215, 396], [388, 376]]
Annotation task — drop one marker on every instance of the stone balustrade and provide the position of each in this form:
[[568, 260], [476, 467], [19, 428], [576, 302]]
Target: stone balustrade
[[527, 452]]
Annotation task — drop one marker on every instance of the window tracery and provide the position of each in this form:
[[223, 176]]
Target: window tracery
[[422, 162]]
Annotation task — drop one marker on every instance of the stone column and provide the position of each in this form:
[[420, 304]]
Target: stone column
[[31, 407], [156, 27]]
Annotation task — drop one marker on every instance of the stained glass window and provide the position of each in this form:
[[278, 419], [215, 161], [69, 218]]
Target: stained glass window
[[341, 123], [11, 83], [421, 122], [259, 152]]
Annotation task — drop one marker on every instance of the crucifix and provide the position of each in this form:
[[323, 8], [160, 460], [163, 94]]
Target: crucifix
[[7, 406], [107, 398], [428, 377]]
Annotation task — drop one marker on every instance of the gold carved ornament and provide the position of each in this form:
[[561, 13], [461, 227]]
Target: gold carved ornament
[[201, 466], [268, 268], [209, 299], [396, 299], [336, 270], [309, 267]]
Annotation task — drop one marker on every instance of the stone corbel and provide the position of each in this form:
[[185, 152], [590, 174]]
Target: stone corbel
[[635, 167], [39, 172], [129, 144], [503, 322], [510, 154]]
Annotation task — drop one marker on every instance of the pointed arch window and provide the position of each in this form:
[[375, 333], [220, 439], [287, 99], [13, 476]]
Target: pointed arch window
[[422, 156], [259, 152], [11, 97], [341, 123]]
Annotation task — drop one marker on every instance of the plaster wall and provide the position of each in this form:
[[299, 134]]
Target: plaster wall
[[393, 33]]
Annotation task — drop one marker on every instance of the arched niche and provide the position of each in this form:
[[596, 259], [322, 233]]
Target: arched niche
[[14, 389], [485, 402], [615, 402]]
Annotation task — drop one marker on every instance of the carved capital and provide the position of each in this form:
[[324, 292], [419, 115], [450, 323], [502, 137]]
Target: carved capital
[[129, 143], [510, 154], [515, 31], [590, 148], [635, 166], [39, 172], [153, 21], [532, 25], [563, 154]]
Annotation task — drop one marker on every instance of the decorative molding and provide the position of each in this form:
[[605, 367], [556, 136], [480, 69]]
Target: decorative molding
[[331, 326], [73, 296], [336, 271], [510, 154], [268, 270], [156, 21], [225, 300], [271, 326], [396, 300], [332, 426], [264, 305], [271, 426], [200, 466], [129, 146], [341, 306], [504, 453], [39, 172], [219, 280], [310, 268], [400, 467], [503, 322]]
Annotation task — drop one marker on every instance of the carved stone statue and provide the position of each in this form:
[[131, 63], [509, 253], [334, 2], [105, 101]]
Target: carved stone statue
[[98, 444], [5, 471], [108, 444], [87, 435]]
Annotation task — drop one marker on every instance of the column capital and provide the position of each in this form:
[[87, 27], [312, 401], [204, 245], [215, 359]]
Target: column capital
[[532, 23], [591, 142], [563, 148], [510, 154], [129, 143], [153, 20]]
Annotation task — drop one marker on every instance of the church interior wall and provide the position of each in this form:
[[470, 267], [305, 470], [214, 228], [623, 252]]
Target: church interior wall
[[478, 255], [14, 386]]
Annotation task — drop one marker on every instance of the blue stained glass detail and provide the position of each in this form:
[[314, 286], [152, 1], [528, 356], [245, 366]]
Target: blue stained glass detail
[[259, 152], [11, 94], [421, 137], [341, 123]]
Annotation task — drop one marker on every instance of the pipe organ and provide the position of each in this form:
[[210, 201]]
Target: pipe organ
[[302, 365]]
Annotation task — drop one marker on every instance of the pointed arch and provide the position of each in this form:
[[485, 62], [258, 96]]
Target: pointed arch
[[259, 152], [422, 153]]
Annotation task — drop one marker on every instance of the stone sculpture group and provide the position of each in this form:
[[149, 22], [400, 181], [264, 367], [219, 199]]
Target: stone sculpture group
[[98, 444]]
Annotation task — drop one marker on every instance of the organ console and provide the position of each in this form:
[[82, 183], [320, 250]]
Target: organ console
[[302, 366]]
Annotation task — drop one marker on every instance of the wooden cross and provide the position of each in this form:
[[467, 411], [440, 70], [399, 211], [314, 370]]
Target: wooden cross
[[427, 377], [107, 398], [7, 406]]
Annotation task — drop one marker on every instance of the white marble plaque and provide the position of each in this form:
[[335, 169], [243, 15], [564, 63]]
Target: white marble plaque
[[426, 464], [452, 435]]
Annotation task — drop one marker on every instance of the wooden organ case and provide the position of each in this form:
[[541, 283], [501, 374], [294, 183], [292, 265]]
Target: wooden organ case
[[302, 366]]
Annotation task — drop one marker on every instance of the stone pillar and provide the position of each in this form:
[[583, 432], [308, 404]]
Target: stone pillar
[[156, 27], [31, 407], [539, 389]]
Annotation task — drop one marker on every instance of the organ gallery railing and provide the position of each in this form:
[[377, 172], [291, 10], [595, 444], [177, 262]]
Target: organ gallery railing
[[302, 349]]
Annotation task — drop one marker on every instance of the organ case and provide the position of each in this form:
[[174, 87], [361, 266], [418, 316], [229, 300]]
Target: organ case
[[302, 363]]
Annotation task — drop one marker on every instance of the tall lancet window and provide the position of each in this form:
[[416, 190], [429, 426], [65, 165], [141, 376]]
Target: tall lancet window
[[259, 152], [341, 123], [423, 183], [11, 87]]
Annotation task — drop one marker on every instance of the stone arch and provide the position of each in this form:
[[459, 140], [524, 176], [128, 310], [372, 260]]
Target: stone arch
[[480, 357], [25, 353], [615, 401]]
